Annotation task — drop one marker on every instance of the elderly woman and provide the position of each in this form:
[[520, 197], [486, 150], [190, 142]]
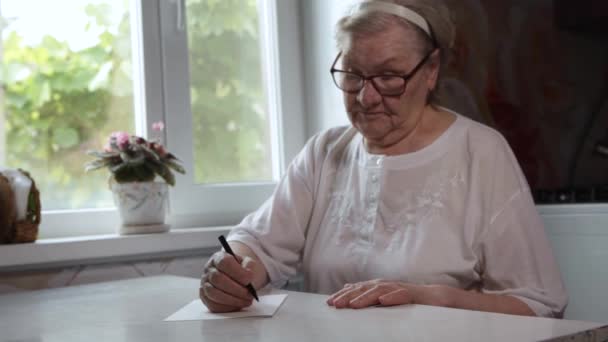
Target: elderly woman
[[413, 203]]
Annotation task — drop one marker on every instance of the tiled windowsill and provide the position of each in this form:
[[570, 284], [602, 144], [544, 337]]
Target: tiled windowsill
[[96, 249]]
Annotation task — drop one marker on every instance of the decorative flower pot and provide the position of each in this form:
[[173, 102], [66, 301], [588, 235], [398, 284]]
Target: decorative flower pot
[[142, 206]]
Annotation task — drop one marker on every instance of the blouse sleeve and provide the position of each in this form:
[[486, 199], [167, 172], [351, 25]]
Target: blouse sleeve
[[517, 257], [276, 231]]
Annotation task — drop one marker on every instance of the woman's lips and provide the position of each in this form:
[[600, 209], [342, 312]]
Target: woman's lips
[[371, 114]]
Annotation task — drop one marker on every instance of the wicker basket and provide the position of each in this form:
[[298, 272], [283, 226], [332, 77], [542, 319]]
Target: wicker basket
[[8, 211], [11, 230]]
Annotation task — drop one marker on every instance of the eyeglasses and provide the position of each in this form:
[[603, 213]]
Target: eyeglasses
[[385, 85]]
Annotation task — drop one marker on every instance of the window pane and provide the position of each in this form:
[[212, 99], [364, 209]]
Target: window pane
[[66, 84], [231, 123]]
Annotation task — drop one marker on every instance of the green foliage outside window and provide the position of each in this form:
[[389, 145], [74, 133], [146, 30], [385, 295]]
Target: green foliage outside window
[[59, 103], [228, 104]]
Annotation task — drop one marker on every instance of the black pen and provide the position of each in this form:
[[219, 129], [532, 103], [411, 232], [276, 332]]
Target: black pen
[[229, 251]]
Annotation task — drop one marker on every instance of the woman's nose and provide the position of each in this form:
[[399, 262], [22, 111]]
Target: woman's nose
[[368, 96]]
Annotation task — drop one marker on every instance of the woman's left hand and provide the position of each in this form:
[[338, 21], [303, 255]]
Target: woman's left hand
[[388, 293]]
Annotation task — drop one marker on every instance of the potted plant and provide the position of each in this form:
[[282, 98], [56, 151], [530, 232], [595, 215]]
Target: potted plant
[[135, 164]]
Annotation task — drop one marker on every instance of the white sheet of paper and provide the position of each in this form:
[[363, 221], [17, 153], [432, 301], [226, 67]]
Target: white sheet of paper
[[196, 311]]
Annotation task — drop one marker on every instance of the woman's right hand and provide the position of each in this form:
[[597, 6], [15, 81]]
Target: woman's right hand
[[223, 282]]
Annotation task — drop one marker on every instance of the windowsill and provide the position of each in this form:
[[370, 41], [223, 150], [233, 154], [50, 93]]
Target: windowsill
[[97, 249], [573, 209]]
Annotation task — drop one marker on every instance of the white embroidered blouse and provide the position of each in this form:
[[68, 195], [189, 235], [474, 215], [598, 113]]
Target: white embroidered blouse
[[458, 212]]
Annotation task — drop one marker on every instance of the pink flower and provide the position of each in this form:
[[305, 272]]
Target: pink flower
[[158, 126], [122, 139]]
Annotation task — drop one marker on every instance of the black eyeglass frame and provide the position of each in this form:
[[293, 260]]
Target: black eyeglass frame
[[405, 77]]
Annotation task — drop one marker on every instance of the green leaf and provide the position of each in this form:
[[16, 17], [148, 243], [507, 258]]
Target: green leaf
[[150, 153], [118, 167], [39, 92], [16, 100], [53, 47], [14, 72], [95, 55], [122, 84], [45, 93], [65, 137], [103, 154], [165, 174], [102, 13], [144, 173], [97, 164], [132, 160], [175, 166], [101, 79]]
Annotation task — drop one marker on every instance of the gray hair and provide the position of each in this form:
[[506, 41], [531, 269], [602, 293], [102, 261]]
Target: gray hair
[[437, 16]]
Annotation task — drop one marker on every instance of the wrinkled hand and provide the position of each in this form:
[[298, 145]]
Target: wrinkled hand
[[388, 293], [223, 282]]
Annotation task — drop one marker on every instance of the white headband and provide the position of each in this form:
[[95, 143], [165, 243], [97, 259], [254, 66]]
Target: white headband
[[398, 10]]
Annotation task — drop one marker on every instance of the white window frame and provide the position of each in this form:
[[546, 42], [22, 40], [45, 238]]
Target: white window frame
[[162, 93]]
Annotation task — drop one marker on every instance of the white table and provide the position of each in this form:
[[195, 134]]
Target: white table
[[133, 310]]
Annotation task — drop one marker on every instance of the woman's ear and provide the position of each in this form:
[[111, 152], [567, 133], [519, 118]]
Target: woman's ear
[[433, 69]]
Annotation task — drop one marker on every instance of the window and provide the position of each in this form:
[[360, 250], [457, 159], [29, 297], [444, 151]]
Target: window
[[214, 71], [231, 124], [64, 89]]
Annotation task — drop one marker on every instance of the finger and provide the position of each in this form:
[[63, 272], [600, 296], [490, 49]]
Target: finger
[[208, 265], [206, 268], [213, 306], [397, 297], [226, 284], [223, 254], [221, 297], [369, 297], [344, 299], [229, 265], [248, 263], [332, 298]]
